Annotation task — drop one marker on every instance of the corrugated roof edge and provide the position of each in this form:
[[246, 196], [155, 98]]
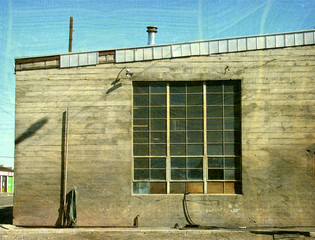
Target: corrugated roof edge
[[169, 44]]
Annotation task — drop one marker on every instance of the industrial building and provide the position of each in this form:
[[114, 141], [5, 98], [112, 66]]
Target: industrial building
[[230, 123]]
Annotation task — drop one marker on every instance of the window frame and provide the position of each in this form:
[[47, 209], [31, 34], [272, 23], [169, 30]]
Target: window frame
[[225, 184]]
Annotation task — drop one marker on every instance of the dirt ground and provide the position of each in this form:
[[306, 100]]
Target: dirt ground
[[10, 232]]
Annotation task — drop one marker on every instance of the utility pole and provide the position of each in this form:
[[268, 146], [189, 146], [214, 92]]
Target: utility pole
[[70, 34]]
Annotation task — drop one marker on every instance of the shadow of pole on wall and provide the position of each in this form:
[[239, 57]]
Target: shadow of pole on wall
[[31, 130]]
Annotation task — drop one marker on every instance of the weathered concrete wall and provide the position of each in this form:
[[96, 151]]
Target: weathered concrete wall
[[278, 142]]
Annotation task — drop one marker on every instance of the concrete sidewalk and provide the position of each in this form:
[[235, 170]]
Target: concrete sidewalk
[[8, 232]]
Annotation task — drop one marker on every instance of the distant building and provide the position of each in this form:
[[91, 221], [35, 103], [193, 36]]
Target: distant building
[[231, 121], [6, 179]]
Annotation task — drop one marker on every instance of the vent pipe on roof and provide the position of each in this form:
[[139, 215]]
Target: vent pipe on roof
[[152, 30]]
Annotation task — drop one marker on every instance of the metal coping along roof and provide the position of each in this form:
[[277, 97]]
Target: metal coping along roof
[[186, 49], [217, 46]]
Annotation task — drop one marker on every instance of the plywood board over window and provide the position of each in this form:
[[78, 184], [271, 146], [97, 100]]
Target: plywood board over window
[[187, 137]]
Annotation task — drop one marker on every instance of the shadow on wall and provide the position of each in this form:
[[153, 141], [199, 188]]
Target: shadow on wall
[[31, 130]]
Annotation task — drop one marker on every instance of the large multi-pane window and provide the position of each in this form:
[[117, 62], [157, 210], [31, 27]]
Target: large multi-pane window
[[187, 137]]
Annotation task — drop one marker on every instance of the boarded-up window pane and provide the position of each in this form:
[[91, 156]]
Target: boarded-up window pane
[[214, 187], [177, 187], [157, 188], [195, 187]]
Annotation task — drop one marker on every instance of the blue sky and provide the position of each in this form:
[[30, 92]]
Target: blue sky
[[41, 27]]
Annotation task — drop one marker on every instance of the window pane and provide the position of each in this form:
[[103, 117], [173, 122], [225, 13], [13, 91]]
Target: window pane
[[140, 112], [215, 162], [178, 187], [195, 137], [195, 174], [232, 149], [214, 124], [232, 137], [194, 87], [232, 111], [158, 174], [140, 87], [194, 99], [178, 112], [214, 149], [157, 188], [195, 149], [158, 137], [141, 137], [195, 162], [213, 137], [194, 112], [178, 174], [177, 87], [231, 162], [158, 162], [158, 124], [232, 86], [178, 149], [141, 163], [142, 174], [158, 87], [141, 188], [214, 86], [140, 125], [215, 174], [178, 162], [232, 124], [140, 149], [158, 100], [158, 149], [140, 100], [214, 99], [229, 174], [158, 112], [178, 124], [214, 111], [195, 124], [231, 99], [178, 137], [178, 99]]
